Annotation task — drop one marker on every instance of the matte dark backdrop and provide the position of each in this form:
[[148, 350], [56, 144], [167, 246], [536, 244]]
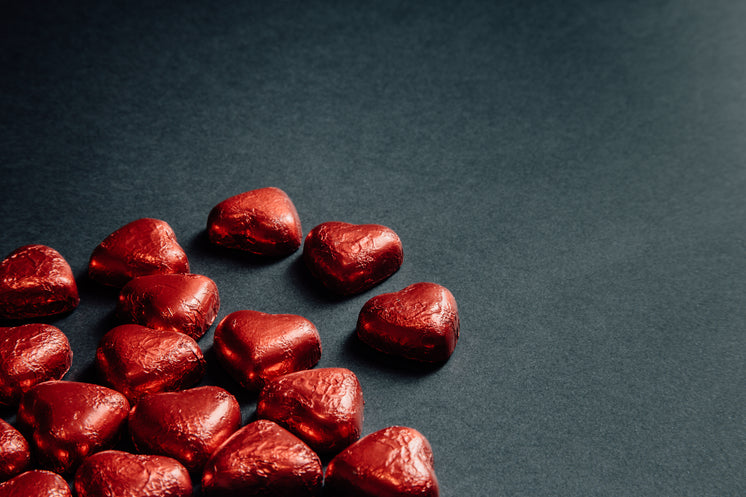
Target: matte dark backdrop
[[573, 171]]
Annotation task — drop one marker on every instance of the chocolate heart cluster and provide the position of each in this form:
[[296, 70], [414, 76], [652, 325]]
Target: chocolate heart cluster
[[152, 363]]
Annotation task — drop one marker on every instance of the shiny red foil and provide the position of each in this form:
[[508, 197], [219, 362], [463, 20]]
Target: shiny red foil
[[187, 303], [393, 462], [112, 473], [253, 346], [323, 407], [69, 421], [31, 354], [352, 258], [263, 222], [187, 425], [420, 322], [142, 247], [36, 484], [263, 459], [36, 281], [137, 360], [15, 454]]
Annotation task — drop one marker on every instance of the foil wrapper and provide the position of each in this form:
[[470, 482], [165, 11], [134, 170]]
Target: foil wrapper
[[350, 258], [120, 474], [393, 462], [263, 222], [143, 247], [31, 354], [187, 303], [136, 360], [188, 426], [15, 454], [68, 421], [254, 346], [323, 407], [420, 322], [263, 458], [36, 281], [33, 483]]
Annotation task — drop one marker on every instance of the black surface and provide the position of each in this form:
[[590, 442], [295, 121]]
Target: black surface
[[572, 171]]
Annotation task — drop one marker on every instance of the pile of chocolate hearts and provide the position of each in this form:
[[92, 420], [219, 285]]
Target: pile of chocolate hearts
[[149, 365]]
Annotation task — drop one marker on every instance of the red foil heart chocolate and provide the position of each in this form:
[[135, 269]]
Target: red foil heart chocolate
[[112, 473], [31, 354], [351, 258], [142, 247], [263, 222], [253, 346], [393, 462], [264, 459], [36, 281], [15, 454], [187, 426], [187, 303], [69, 421], [137, 360], [323, 407], [36, 484], [419, 322]]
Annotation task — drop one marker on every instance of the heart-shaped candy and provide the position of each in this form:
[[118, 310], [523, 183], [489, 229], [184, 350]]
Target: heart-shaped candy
[[253, 346], [144, 246], [36, 483], [323, 407], [263, 222], [351, 258], [113, 473], [69, 421], [36, 281], [420, 322], [137, 360], [393, 462], [187, 303], [263, 459], [187, 425], [15, 454], [30, 354]]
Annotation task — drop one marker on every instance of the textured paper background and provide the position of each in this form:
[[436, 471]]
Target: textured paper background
[[573, 171]]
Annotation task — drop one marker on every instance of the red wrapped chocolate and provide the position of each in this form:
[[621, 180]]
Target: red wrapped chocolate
[[36, 281], [323, 407], [420, 322], [144, 246], [263, 458], [352, 258], [31, 354], [15, 454], [137, 360], [187, 303], [263, 222], [36, 483], [112, 473], [68, 421], [393, 462], [187, 425], [253, 346]]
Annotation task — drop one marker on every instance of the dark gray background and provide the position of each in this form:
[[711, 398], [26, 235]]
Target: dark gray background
[[572, 171]]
